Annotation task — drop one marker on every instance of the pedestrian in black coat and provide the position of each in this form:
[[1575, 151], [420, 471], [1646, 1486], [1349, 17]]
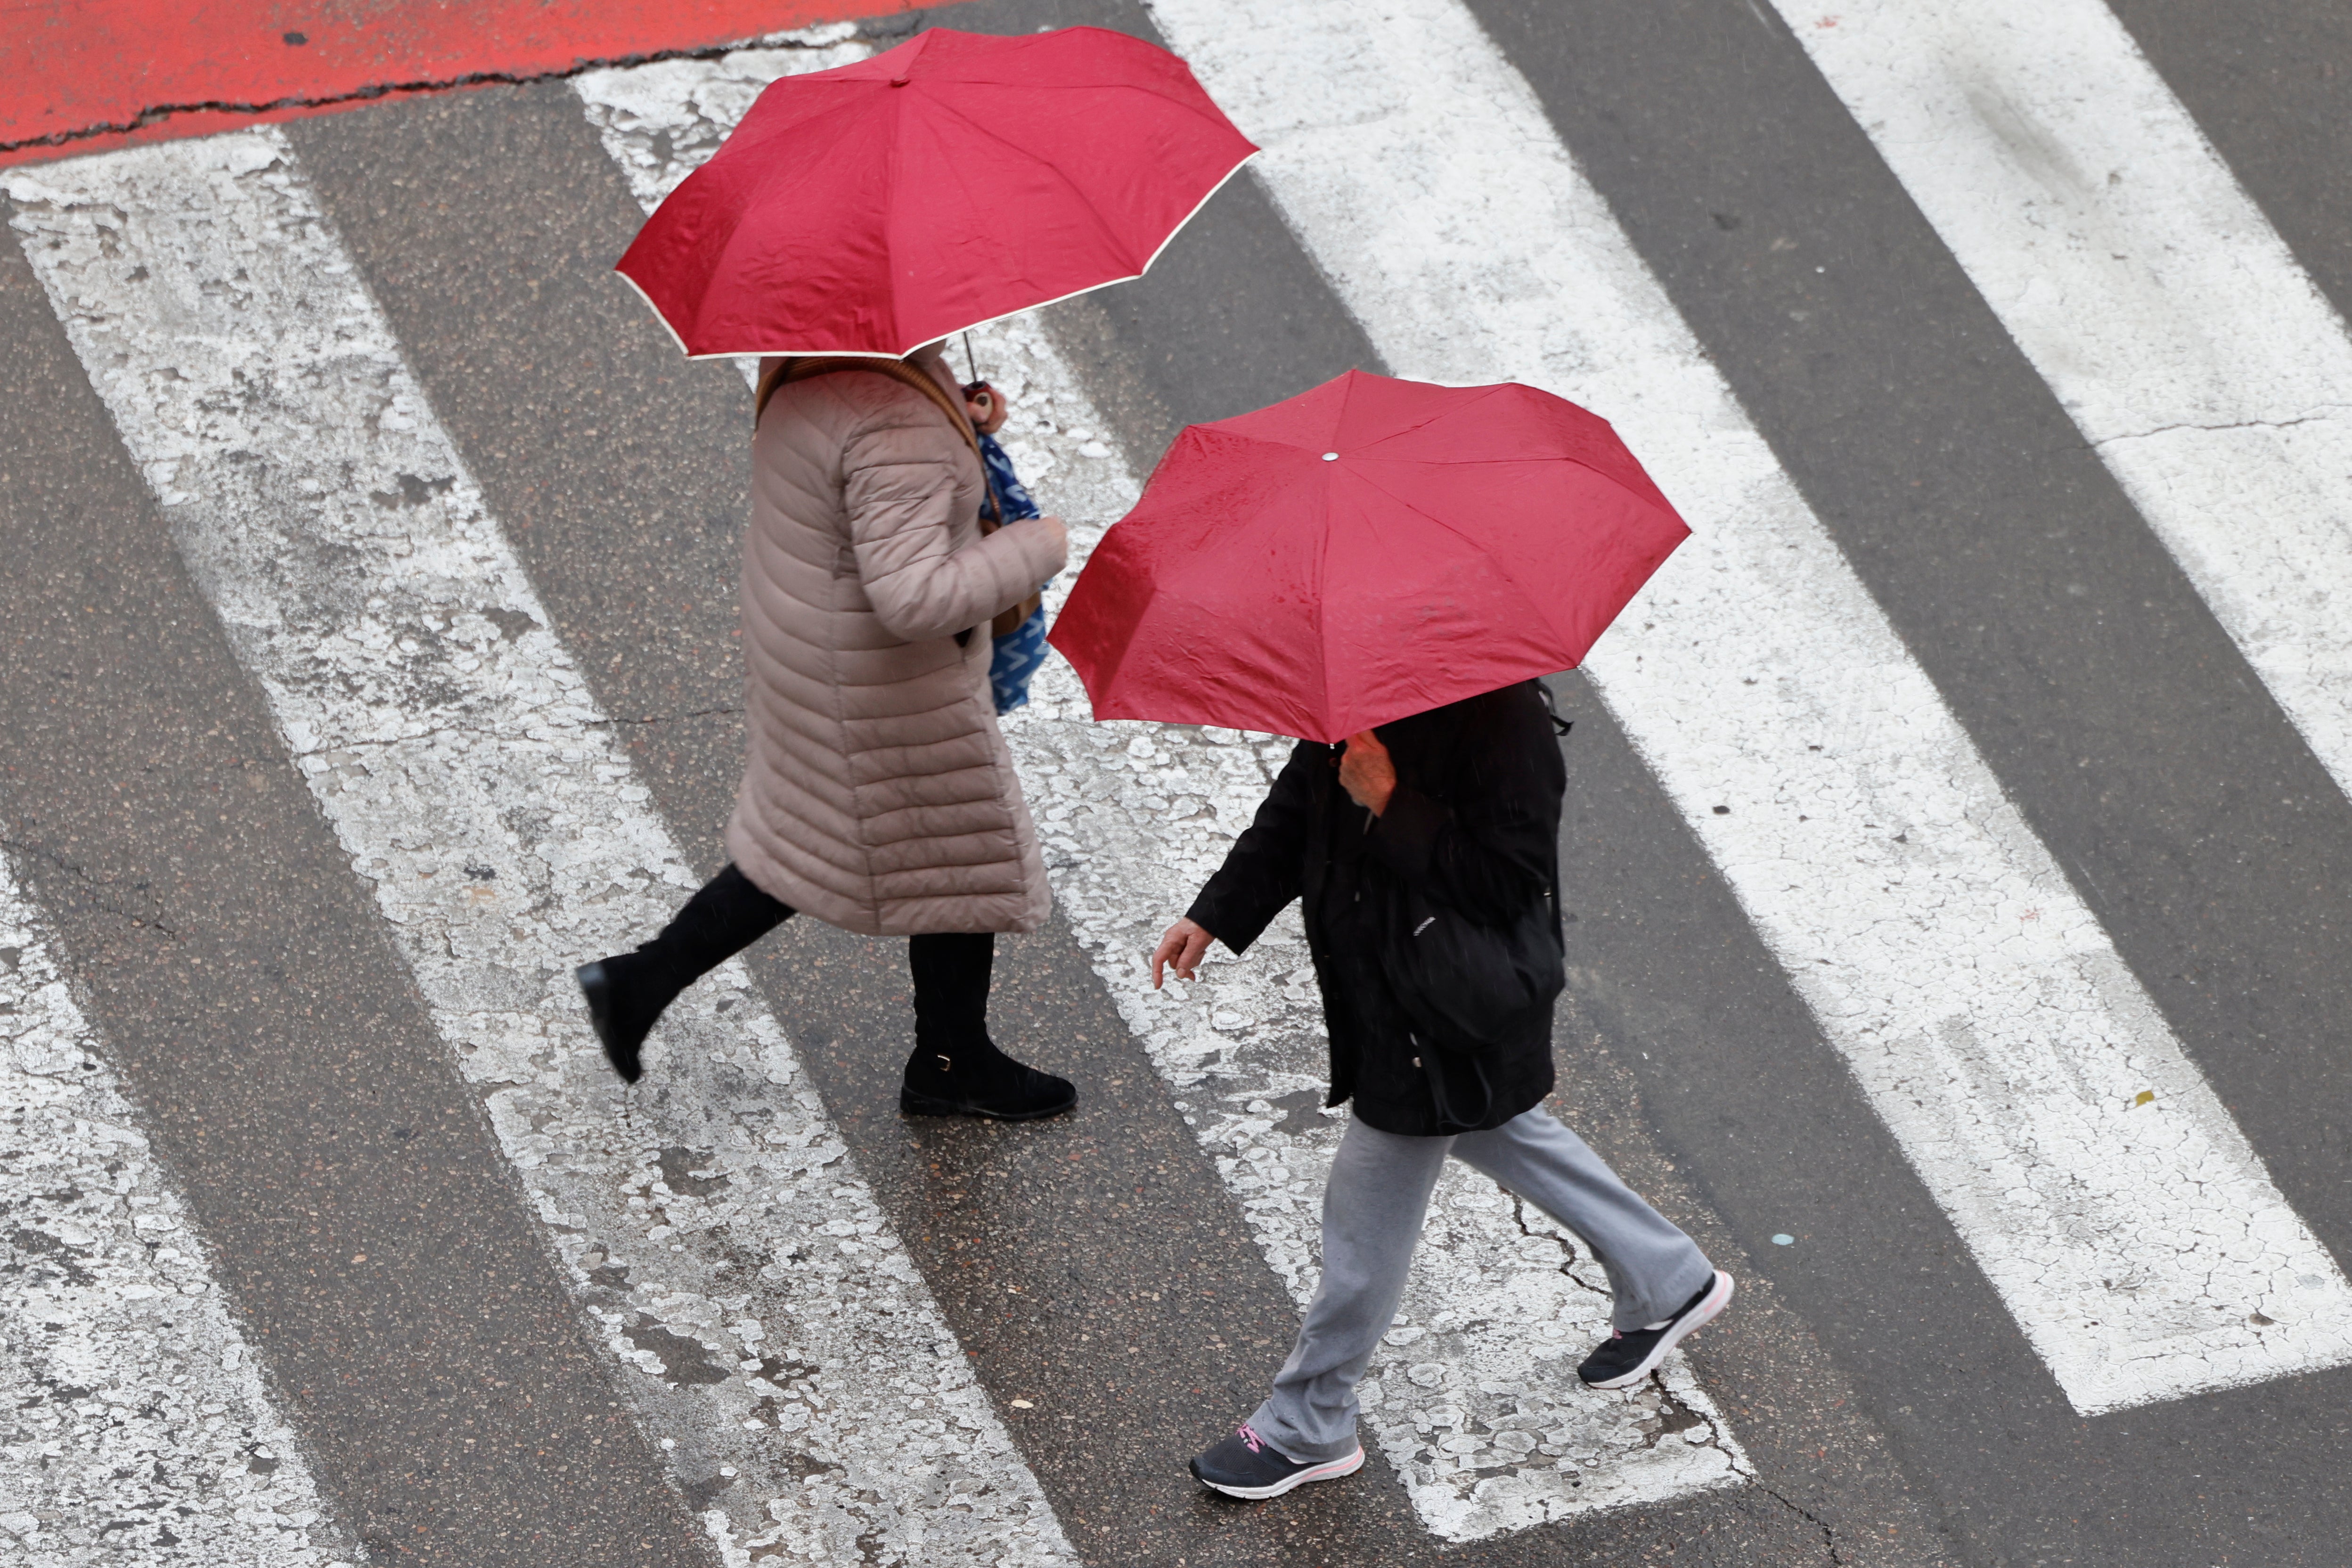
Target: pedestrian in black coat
[[1457, 807], [1469, 798]]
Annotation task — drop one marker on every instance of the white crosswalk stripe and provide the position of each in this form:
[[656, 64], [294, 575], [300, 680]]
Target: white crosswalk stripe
[[713, 1227], [1475, 1398], [2201, 362], [137, 1428], [2105, 1192]]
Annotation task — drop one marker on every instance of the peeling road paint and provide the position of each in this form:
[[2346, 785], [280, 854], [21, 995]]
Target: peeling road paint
[[2144, 1250], [778, 1344], [1474, 1397], [133, 1422], [2212, 377]]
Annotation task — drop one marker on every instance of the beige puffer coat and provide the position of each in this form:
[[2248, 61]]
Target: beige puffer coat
[[878, 793]]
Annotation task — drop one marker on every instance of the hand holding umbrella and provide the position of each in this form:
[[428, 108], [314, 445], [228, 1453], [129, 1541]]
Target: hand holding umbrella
[[1367, 774]]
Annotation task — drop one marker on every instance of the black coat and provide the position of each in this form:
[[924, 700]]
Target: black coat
[[1473, 825]]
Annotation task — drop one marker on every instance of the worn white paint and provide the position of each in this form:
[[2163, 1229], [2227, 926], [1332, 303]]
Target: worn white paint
[[772, 1332], [1475, 1399], [2211, 377], [662, 121], [134, 1427], [2141, 1245]]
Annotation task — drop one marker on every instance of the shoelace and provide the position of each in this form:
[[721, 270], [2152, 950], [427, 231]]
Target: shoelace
[[1256, 1444]]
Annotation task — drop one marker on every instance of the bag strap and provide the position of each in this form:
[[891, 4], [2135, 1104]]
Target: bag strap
[[806, 366]]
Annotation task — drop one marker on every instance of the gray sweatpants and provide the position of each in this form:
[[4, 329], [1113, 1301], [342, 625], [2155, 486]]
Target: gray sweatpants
[[1372, 1211]]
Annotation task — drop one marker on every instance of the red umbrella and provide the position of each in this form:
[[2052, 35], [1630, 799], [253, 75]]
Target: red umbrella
[[875, 207], [1365, 550]]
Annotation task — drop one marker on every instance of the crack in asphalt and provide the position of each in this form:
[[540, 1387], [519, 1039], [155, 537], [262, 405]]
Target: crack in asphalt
[[156, 114], [354, 747], [1567, 1250], [1829, 1532], [1675, 1415], [20, 848]]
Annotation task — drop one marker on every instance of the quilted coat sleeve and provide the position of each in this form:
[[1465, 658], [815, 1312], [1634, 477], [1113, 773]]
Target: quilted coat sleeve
[[899, 468]]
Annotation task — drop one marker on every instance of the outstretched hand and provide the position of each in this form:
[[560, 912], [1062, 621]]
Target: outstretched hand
[[1181, 949]]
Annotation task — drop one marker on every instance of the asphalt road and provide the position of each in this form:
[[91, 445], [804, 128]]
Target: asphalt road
[[455, 1405]]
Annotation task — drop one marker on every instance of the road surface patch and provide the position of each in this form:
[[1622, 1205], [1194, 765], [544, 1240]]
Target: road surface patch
[[136, 1419], [2198, 359]]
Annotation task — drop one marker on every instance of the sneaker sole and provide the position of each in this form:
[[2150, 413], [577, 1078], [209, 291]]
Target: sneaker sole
[[1690, 1323], [1328, 1473], [913, 1104]]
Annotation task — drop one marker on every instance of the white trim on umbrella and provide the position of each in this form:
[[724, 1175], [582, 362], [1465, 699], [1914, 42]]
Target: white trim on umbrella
[[968, 326]]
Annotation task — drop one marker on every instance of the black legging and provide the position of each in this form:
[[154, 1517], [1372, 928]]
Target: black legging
[[727, 914]]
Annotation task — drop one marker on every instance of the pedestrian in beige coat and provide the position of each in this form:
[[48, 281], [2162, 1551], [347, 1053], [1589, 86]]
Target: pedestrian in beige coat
[[877, 792]]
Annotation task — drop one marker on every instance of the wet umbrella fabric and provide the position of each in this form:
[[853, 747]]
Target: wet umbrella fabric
[[878, 206], [1371, 549]]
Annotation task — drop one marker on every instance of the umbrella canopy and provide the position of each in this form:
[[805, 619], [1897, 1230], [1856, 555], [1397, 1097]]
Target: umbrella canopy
[[875, 207], [1369, 550]]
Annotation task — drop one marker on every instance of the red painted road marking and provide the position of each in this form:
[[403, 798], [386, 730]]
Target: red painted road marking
[[77, 76]]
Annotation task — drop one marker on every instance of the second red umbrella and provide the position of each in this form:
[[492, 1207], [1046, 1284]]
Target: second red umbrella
[[1368, 550], [875, 207]]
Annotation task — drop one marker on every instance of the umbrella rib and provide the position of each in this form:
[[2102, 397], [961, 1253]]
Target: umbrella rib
[[1445, 414], [1211, 116], [890, 209], [1347, 396], [1116, 242], [1322, 626], [1658, 497], [1533, 602], [1483, 462], [1224, 433]]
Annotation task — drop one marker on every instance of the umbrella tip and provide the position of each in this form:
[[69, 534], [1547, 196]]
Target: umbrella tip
[[1330, 457]]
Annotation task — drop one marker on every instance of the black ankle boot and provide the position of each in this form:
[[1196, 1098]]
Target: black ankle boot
[[626, 994], [956, 1070], [975, 1078]]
